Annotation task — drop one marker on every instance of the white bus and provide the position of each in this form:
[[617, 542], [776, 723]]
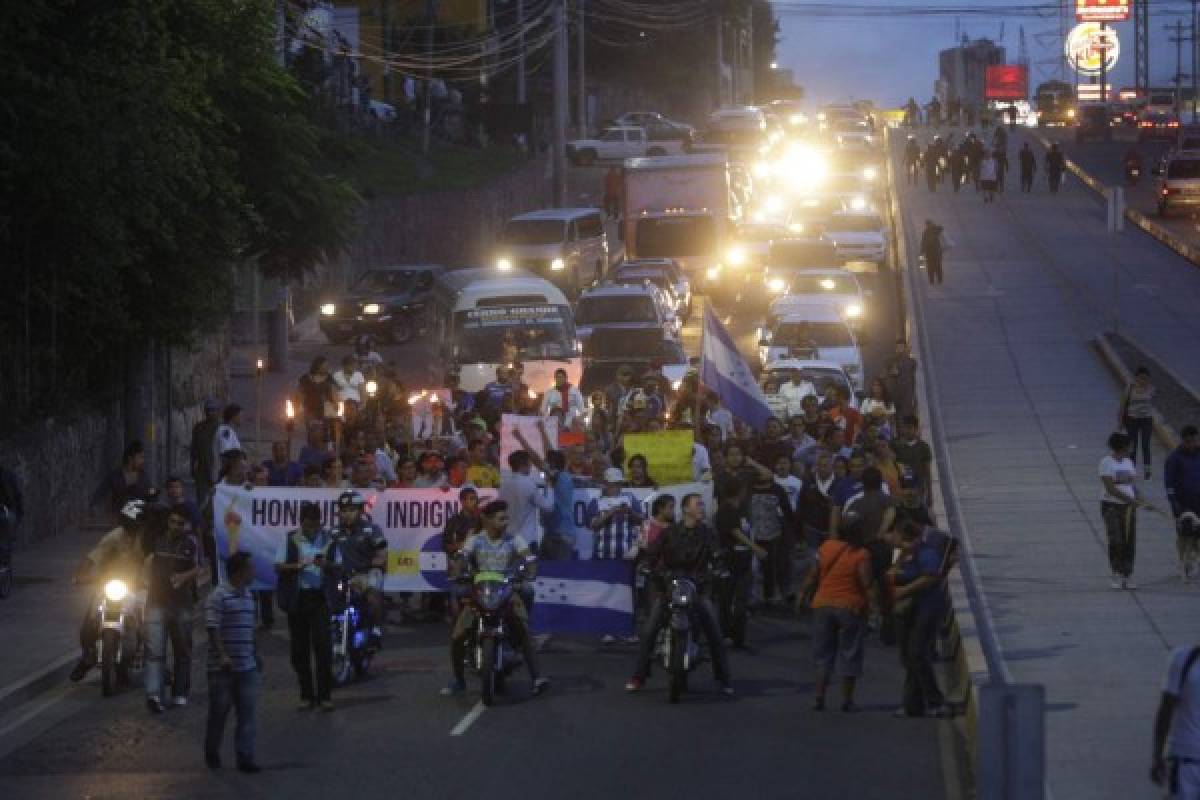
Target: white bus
[[486, 320]]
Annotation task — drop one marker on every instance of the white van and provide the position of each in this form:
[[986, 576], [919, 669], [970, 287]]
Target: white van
[[566, 246], [486, 320]]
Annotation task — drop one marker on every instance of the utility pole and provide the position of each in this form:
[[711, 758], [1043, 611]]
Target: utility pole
[[1141, 38], [430, 18], [1178, 39], [561, 102], [583, 109], [385, 39], [1193, 49], [521, 52], [720, 94]]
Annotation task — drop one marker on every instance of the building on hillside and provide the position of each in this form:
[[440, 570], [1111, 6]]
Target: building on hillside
[[962, 70]]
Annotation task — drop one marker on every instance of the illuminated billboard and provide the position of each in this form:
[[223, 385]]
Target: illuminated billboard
[[1101, 10], [1092, 49], [1006, 82]]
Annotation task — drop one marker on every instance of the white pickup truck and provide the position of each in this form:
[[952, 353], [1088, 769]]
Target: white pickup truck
[[618, 144]]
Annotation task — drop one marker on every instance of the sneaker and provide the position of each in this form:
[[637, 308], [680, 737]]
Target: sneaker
[[455, 688], [940, 712], [305, 705], [608, 638], [541, 640], [249, 767], [1116, 582], [903, 713], [179, 701], [326, 706], [540, 685], [155, 705], [82, 668], [1129, 584], [727, 690], [634, 685]]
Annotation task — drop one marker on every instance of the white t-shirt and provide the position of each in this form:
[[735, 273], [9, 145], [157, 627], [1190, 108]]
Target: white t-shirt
[[1184, 740], [347, 385], [1123, 474], [723, 419], [700, 462], [792, 485]]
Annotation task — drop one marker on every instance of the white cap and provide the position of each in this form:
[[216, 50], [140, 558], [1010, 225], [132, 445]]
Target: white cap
[[613, 475]]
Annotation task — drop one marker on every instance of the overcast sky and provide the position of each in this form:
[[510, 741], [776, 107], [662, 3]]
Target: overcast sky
[[889, 59]]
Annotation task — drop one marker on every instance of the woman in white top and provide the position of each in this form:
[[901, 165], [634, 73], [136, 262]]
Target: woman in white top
[[1137, 415], [1118, 506], [987, 178], [879, 399], [348, 380]]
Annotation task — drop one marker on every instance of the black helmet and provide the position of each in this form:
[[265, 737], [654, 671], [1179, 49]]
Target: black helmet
[[309, 510], [351, 500]]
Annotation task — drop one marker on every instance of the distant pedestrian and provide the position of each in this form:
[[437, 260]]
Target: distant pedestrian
[[900, 378], [932, 247], [1181, 476], [1027, 162], [1001, 155], [1175, 764], [1118, 507], [987, 177], [1011, 111], [12, 511], [1056, 165], [1136, 415], [233, 667], [958, 168], [202, 457], [612, 192], [316, 391]]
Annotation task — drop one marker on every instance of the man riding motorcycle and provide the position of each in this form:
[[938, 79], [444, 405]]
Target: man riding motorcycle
[[492, 550], [1132, 163], [361, 549], [118, 554], [685, 549]]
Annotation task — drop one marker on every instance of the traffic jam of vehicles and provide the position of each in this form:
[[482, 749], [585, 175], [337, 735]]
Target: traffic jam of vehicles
[[772, 213]]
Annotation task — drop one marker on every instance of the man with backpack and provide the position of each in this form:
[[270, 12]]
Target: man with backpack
[[1175, 762]]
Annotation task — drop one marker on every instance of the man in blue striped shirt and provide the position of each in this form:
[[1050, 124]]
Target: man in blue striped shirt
[[233, 675]]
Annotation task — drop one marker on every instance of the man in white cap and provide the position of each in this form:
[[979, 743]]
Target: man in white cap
[[616, 522]]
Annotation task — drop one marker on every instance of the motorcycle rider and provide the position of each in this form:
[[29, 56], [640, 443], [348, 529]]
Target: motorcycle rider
[[492, 550], [684, 549], [1132, 161], [118, 554], [361, 549]]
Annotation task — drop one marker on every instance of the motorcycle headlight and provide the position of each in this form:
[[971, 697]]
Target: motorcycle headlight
[[504, 264], [854, 310], [713, 273], [558, 265], [869, 174], [328, 309], [858, 203], [777, 285], [372, 308], [115, 590], [736, 256], [489, 597]]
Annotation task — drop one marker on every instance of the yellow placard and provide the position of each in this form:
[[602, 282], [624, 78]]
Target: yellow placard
[[668, 455], [403, 562]]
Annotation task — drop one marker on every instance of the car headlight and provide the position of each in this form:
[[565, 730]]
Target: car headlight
[[762, 169], [1071, 113], [869, 174], [372, 308], [504, 264], [776, 284], [328, 309], [773, 204], [558, 265], [858, 203], [796, 119], [854, 310], [115, 590], [868, 138], [713, 273], [821, 115], [736, 257]]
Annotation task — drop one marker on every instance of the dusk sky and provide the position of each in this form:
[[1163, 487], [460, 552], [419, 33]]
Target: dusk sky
[[889, 59]]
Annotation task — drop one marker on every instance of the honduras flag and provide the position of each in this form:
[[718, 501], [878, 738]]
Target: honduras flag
[[724, 371], [583, 597]]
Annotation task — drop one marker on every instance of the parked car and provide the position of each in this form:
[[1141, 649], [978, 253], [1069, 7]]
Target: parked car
[[1179, 182], [618, 144], [567, 246], [389, 303]]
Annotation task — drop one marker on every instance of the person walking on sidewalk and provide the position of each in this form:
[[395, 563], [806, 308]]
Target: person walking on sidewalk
[[300, 565], [931, 250], [1001, 155], [1137, 415], [1175, 763], [920, 599], [1056, 165], [1181, 476], [1027, 162], [233, 666], [987, 177], [1118, 507], [172, 569]]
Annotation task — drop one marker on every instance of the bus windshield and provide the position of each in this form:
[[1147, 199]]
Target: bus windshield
[[503, 334]]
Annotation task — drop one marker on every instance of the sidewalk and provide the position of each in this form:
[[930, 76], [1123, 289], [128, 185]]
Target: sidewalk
[[1025, 405]]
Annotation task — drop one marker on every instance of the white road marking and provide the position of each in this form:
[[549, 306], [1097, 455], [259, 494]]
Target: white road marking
[[468, 720], [57, 697]]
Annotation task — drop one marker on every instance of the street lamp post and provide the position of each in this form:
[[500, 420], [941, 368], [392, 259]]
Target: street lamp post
[[258, 374]]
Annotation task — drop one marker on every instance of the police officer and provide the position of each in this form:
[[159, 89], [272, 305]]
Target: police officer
[[362, 551], [300, 564]]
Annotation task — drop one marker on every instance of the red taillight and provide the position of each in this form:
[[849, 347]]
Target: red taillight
[[1147, 124], [1167, 191], [1172, 124]]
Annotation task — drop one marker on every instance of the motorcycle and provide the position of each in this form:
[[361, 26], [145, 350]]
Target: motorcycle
[[122, 643], [1132, 173], [678, 643], [352, 648], [491, 649]]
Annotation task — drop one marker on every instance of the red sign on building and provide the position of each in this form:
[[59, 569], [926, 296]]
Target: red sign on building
[[1102, 10], [1006, 82]]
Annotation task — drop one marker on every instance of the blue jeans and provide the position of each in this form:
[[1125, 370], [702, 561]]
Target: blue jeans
[[163, 622], [228, 690]]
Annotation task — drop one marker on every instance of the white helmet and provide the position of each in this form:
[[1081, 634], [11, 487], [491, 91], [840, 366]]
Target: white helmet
[[132, 511]]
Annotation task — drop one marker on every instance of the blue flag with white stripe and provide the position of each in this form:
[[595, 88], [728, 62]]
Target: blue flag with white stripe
[[583, 597], [724, 371]]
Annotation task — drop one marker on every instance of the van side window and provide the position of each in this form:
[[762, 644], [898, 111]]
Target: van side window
[[590, 227]]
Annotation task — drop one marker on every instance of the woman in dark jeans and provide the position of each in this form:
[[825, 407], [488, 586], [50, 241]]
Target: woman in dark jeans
[[1137, 415]]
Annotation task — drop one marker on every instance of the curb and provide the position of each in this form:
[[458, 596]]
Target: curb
[[53, 674], [1146, 224], [1167, 435], [970, 667]]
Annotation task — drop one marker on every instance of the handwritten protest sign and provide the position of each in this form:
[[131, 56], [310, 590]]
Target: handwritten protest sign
[[668, 454]]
